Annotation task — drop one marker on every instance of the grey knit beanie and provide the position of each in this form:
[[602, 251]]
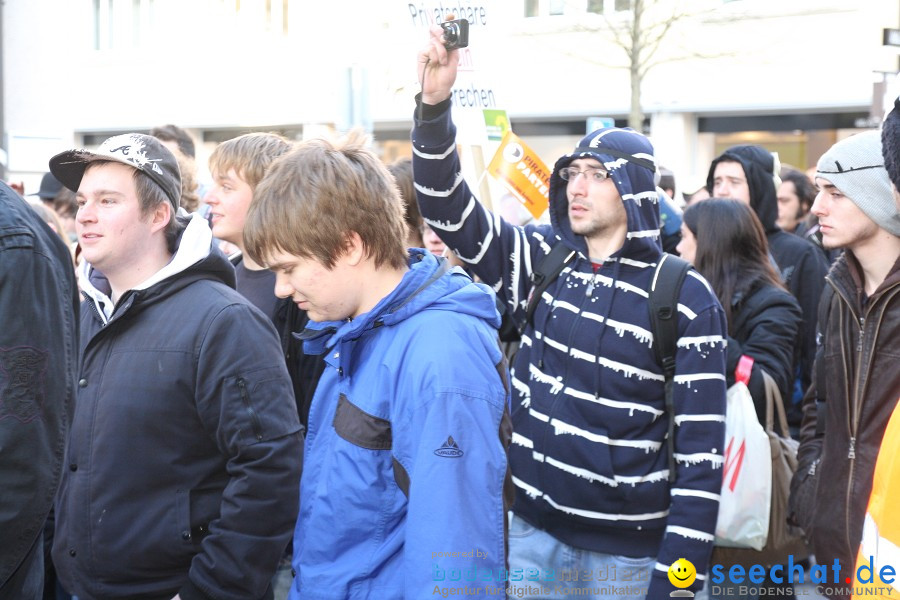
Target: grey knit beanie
[[856, 167]]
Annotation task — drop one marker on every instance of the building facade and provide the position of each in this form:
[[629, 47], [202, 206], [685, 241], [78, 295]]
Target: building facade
[[793, 76]]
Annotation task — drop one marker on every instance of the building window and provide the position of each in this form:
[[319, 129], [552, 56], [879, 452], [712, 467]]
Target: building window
[[557, 7], [118, 25], [531, 8], [622, 5], [595, 6]]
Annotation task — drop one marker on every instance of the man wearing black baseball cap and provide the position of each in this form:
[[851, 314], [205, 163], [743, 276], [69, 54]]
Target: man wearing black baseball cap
[[184, 411]]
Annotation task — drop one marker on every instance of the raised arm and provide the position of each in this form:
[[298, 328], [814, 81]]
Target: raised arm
[[501, 254]]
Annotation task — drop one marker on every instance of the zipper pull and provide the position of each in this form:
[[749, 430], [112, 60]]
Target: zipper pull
[[852, 453], [591, 285], [862, 327]]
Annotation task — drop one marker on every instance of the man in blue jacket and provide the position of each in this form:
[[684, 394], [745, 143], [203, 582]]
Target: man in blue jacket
[[185, 449], [588, 455], [405, 467]]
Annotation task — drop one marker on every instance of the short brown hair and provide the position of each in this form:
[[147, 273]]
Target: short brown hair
[[250, 155], [402, 171], [174, 133], [316, 195]]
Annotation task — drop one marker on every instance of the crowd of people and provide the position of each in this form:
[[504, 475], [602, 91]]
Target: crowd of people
[[290, 383]]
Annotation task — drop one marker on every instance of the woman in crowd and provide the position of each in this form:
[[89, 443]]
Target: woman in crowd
[[725, 242]]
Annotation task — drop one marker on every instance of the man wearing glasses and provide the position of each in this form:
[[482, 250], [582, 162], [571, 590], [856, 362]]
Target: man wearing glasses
[[588, 455]]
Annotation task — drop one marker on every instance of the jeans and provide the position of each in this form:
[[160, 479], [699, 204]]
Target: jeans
[[552, 569], [284, 579]]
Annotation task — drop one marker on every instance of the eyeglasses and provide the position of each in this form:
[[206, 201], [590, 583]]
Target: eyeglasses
[[596, 174]]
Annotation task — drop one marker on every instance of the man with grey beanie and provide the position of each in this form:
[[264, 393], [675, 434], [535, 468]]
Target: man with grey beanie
[[856, 381]]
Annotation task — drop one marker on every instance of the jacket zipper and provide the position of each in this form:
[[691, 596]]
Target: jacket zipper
[[551, 408], [851, 399], [254, 418], [856, 408], [854, 421]]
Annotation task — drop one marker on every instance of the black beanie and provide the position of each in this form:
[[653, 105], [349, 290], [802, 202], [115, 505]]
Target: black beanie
[[890, 144]]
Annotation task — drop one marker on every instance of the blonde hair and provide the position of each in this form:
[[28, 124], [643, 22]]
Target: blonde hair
[[315, 196], [190, 199], [250, 155]]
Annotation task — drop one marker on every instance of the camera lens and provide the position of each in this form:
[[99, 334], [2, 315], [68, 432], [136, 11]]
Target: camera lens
[[451, 33]]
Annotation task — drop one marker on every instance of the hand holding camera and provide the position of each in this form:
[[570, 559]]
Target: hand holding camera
[[439, 60]]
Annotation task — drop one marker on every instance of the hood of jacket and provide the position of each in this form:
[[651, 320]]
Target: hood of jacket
[[628, 156], [759, 168], [430, 284], [196, 257]]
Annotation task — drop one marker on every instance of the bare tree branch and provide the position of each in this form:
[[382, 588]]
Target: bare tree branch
[[641, 32]]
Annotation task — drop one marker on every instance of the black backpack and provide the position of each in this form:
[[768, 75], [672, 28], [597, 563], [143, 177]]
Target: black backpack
[[665, 287]]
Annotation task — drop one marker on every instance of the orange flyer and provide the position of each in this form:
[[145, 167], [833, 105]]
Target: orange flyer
[[523, 173]]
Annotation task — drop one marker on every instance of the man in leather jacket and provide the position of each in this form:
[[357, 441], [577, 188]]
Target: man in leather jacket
[[856, 383]]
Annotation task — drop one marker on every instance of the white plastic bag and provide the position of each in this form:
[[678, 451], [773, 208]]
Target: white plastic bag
[[747, 475]]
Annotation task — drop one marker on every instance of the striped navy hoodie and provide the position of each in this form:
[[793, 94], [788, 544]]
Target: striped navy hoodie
[[589, 457]]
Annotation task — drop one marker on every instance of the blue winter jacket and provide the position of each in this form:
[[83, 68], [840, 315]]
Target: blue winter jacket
[[405, 452], [588, 457]]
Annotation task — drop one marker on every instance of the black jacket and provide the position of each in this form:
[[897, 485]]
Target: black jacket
[[801, 264], [765, 324], [185, 454], [803, 267], [304, 369], [38, 357]]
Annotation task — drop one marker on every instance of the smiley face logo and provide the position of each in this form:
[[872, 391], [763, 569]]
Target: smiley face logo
[[682, 573]]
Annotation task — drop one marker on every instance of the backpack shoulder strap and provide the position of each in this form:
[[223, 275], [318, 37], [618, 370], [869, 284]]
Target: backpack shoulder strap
[[548, 269], [663, 302], [665, 287]]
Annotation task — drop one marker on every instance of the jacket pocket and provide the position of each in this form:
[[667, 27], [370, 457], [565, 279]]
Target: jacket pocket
[[250, 410], [802, 501], [183, 517], [204, 509], [367, 431], [360, 428], [354, 460], [259, 406]]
